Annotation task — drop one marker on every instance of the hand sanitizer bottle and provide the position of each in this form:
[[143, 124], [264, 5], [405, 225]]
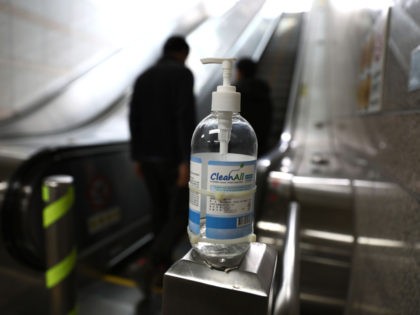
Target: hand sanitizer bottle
[[222, 178]]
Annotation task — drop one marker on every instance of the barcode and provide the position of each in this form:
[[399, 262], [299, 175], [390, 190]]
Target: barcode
[[243, 221]]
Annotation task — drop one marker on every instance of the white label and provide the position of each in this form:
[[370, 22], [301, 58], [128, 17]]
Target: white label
[[195, 198], [230, 206]]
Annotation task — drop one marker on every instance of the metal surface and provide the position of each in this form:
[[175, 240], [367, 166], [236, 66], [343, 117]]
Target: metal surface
[[286, 54], [287, 299], [352, 160], [305, 169], [191, 287]]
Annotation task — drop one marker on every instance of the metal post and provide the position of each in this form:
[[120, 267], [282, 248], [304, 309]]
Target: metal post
[[57, 216]]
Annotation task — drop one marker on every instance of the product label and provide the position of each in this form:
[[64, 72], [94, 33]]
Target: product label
[[230, 202], [195, 200]]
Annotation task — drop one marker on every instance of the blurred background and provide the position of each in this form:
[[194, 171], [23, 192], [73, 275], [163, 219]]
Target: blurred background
[[345, 82]]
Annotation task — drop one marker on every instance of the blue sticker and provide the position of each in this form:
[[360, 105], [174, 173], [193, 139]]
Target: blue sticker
[[194, 221], [228, 227]]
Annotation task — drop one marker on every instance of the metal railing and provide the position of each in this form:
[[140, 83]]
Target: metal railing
[[287, 300]]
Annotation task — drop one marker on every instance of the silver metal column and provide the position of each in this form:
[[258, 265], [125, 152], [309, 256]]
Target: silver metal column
[[58, 195], [192, 287], [287, 297]]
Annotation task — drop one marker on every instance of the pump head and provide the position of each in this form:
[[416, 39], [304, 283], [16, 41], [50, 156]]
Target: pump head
[[225, 98]]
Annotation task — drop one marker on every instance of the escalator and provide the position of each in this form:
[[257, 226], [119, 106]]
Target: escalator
[[311, 178], [277, 66], [111, 205]]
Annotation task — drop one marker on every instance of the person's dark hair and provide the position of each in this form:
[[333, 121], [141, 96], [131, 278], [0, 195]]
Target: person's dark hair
[[175, 44], [247, 67]]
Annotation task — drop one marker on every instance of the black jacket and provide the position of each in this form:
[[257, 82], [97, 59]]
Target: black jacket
[[162, 113]]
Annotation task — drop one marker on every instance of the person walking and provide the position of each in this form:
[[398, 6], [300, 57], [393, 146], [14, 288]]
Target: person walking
[[256, 104], [162, 119]]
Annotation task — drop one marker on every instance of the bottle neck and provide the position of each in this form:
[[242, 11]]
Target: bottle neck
[[221, 112], [224, 124]]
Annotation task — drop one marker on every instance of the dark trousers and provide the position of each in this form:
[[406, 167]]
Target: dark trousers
[[170, 208]]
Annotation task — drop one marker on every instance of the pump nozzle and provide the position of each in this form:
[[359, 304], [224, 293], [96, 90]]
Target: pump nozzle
[[225, 101], [227, 66], [225, 98]]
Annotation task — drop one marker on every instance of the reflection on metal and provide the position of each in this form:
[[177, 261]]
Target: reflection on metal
[[321, 182], [281, 183], [325, 262], [320, 159], [336, 237], [380, 185], [381, 188], [3, 185], [322, 299], [264, 166], [192, 284], [287, 300], [264, 162], [286, 164], [380, 242], [274, 241], [332, 193], [271, 226], [281, 176], [286, 136], [373, 309], [131, 249], [315, 190], [324, 235]]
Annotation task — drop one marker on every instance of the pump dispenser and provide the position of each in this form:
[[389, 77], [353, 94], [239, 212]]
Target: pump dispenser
[[222, 178]]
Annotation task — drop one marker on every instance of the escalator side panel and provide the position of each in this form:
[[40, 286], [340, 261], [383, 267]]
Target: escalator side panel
[[111, 205]]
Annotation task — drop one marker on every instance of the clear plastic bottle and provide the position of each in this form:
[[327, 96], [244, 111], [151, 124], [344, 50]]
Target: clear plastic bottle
[[222, 180]]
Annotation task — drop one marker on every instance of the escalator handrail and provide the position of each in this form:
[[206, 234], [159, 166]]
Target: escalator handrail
[[287, 300]]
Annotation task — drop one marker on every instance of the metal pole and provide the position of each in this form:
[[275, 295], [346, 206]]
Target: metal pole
[[287, 299], [57, 217]]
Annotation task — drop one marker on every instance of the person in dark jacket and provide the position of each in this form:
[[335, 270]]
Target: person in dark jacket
[[256, 105], [162, 120]]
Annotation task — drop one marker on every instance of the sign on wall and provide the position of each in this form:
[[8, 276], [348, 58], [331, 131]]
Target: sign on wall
[[372, 63]]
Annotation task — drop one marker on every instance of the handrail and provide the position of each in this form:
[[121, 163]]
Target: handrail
[[272, 159], [287, 299]]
